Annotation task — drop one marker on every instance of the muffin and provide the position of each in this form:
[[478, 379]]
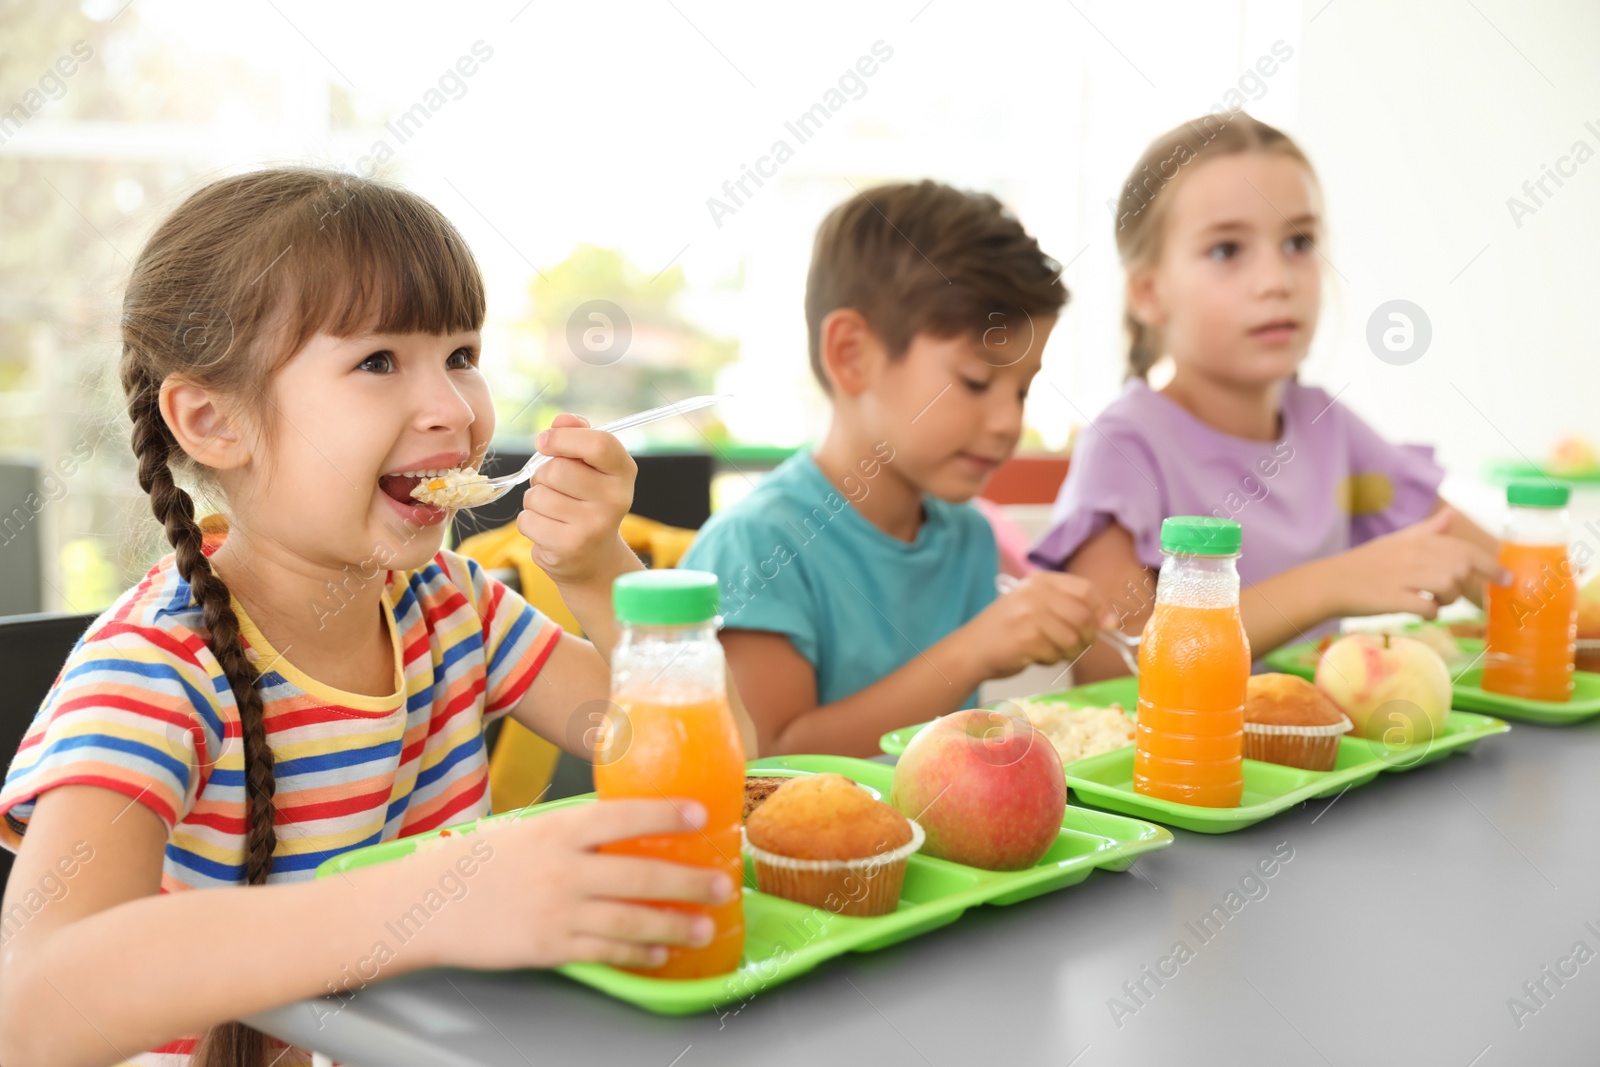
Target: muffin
[[822, 840], [1289, 721], [757, 788], [1588, 633]]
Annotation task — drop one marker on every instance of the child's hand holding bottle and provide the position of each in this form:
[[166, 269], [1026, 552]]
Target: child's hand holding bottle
[[540, 894]]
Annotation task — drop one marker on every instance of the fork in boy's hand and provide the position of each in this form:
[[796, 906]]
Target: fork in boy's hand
[[1127, 646]]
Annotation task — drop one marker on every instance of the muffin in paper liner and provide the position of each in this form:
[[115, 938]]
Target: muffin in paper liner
[[1311, 748], [860, 887], [1588, 654]]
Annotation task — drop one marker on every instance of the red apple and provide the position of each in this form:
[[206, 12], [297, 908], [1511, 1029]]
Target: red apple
[[987, 788], [1394, 689]]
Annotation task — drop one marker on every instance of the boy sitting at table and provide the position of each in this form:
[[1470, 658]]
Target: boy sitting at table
[[858, 581]]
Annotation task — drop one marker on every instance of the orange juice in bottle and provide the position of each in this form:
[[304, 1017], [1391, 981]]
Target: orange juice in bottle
[[1533, 622], [670, 733], [1194, 664]]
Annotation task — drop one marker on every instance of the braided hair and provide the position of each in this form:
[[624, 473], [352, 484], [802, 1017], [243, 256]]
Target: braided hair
[[233, 283]]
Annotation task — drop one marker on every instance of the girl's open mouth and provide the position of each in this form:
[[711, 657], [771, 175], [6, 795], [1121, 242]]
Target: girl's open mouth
[[398, 488]]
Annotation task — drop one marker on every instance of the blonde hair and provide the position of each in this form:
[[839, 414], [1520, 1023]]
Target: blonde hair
[[1146, 199], [233, 283]]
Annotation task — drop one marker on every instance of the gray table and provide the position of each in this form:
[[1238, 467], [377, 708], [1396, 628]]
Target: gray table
[[1412, 910]]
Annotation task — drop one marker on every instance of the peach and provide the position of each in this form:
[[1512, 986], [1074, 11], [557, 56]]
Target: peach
[[1394, 689]]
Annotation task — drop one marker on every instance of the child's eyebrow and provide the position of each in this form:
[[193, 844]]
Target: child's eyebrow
[[1226, 226], [373, 338], [1299, 222]]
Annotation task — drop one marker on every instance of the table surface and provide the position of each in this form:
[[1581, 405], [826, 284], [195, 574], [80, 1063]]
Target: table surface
[[1411, 913]]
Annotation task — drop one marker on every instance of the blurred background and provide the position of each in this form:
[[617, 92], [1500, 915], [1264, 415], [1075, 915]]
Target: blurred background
[[593, 158]]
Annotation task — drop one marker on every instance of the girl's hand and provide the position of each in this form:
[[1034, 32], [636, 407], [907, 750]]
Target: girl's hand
[[575, 503], [1418, 569], [540, 895]]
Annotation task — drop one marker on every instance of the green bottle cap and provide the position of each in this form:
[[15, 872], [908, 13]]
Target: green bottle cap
[[1200, 535], [1537, 495], [665, 597]]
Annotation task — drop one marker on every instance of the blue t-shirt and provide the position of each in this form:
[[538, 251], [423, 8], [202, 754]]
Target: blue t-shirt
[[795, 557]]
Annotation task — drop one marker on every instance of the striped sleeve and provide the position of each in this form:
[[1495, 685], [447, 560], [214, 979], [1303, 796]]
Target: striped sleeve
[[134, 711], [517, 640]]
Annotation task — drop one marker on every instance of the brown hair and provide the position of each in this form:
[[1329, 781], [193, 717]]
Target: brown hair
[[924, 257], [1143, 207], [230, 286]]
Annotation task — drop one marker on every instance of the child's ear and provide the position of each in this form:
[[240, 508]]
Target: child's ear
[[1143, 300], [849, 348], [203, 427]]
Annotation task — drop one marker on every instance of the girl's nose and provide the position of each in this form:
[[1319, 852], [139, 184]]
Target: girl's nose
[[440, 405], [1275, 276]]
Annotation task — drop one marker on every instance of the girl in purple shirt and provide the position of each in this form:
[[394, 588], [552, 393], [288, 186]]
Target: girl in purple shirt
[[1217, 229]]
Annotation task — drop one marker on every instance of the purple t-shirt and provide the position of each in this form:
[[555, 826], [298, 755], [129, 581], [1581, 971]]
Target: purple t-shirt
[[1329, 484]]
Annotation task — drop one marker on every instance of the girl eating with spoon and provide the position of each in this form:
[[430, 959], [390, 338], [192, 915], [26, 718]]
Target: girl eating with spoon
[[315, 674]]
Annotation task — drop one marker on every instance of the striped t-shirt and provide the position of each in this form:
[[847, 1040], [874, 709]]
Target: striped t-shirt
[[142, 707]]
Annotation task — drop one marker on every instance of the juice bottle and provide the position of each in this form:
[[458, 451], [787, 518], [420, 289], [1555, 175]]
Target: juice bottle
[[1194, 664], [1533, 622], [670, 734]]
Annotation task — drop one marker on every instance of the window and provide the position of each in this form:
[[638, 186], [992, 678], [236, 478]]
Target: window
[[619, 177]]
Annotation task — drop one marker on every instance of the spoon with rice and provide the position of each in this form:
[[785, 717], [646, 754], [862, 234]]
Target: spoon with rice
[[466, 488]]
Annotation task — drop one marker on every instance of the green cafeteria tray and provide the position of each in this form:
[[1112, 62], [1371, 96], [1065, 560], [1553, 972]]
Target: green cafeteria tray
[[784, 940], [1585, 702], [1106, 780], [1500, 472], [1466, 692]]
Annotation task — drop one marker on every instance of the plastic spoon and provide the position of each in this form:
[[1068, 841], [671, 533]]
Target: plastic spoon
[[474, 490], [1127, 647]]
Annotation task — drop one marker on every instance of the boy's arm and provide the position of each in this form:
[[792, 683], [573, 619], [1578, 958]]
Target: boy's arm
[[1108, 559], [780, 690]]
